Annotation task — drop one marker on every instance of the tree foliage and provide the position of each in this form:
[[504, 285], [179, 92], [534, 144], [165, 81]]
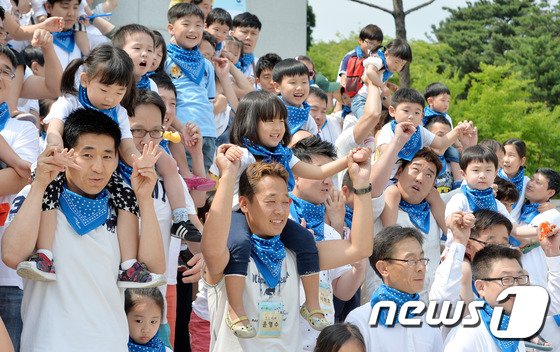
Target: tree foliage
[[310, 25]]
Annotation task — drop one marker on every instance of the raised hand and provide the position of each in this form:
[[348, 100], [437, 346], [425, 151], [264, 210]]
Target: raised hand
[[41, 38], [551, 243], [144, 177], [404, 131], [48, 166], [53, 24], [192, 139], [221, 66], [228, 158], [469, 134], [359, 171], [460, 224]]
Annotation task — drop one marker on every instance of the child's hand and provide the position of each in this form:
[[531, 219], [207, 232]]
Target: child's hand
[[148, 158], [144, 177], [47, 167], [469, 135], [359, 171], [551, 243], [228, 158], [335, 209], [404, 131], [53, 24], [392, 86], [191, 135], [41, 38], [361, 154], [460, 224], [221, 66]]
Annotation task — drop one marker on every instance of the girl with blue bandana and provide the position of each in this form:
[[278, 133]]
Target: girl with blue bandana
[[513, 170], [260, 128]]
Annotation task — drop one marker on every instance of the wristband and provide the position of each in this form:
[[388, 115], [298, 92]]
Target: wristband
[[362, 190]]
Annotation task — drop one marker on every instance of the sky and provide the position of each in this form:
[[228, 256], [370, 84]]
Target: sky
[[344, 16]]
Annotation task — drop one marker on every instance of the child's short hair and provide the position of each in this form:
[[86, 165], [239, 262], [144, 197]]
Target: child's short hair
[[477, 153], [318, 92], [493, 145], [220, 16], [210, 39], [435, 89], [132, 296], [371, 32], [400, 48], [553, 178], [519, 146], [121, 35], [288, 68], [164, 81], [305, 58], [407, 95], [507, 192], [149, 97], [247, 19], [160, 41], [426, 154], [437, 119], [267, 62], [32, 54], [184, 10]]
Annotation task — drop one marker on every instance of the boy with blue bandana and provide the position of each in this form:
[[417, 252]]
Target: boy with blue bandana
[[192, 75], [218, 23], [247, 28]]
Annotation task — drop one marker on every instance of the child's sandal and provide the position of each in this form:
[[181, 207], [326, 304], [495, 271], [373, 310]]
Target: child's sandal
[[316, 323], [240, 330]]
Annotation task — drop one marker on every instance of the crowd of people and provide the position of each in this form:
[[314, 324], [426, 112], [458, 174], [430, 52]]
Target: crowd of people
[[189, 196]]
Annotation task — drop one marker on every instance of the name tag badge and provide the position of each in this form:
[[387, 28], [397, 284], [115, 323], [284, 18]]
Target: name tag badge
[[326, 298], [270, 319]]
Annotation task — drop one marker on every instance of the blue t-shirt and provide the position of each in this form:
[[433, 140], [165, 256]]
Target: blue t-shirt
[[195, 101]]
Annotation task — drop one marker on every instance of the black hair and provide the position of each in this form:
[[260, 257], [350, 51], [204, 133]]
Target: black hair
[[386, 241], [266, 62], [162, 80], [493, 145], [202, 211], [82, 121], [347, 180], [407, 95], [306, 148], [45, 107], [485, 219], [401, 49], [519, 146], [553, 178], [210, 39], [52, 2], [121, 35], [477, 153], [251, 177], [160, 41], [426, 154], [305, 58], [435, 89], [506, 190], [437, 119], [6, 51], [32, 54], [108, 64], [184, 10], [289, 68], [334, 336], [484, 258], [254, 107], [371, 32], [247, 19], [133, 296], [318, 92], [219, 15], [148, 97]]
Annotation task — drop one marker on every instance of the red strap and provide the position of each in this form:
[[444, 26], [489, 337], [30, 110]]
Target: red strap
[[4, 211]]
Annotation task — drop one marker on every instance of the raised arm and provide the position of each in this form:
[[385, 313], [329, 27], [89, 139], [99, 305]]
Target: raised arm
[[52, 24], [444, 142], [371, 116], [314, 172]]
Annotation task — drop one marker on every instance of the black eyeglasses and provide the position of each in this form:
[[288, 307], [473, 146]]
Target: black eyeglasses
[[487, 243], [141, 133], [509, 280], [411, 262]]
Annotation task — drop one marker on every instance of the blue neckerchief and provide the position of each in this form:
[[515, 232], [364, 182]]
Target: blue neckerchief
[[84, 100], [144, 82], [280, 154], [429, 114], [311, 82], [480, 199], [297, 117], [419, 214], [64, 40], [245, 61], [151, 73], [443, 165], [386, 73], [164, 144], [505, 345], [348, 216], [386, 293], [84, 214], [219, 46], [411, 147], [125, 171], [359, 52], [557, 319], [4, 115], [154, 345], [191, 62], [517, 180], [44, 135], [346, 110], [314, 215], [529, 211], [268, 254]]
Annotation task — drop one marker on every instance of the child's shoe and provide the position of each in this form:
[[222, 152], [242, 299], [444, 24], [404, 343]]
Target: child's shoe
[[138, 276], [316, 323], [240, 330], [185, 230], [38, 268], [196, 183]]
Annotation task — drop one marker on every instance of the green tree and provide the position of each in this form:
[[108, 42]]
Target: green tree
[[327, 55], [310, 25]]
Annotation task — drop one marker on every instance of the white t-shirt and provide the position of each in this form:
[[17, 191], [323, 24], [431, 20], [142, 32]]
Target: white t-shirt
[[310, 126], [26, 105], [23, 137], [516, 212], [330, 130], [372, 60], [68, 103], [221, 120], [200, 304]]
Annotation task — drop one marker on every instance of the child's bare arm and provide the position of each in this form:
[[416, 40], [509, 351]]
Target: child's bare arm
[[222, 72], [82, 41], [54, 133], [241, 84], [374, 75], [446, 141], [392, 197], [126, 150]]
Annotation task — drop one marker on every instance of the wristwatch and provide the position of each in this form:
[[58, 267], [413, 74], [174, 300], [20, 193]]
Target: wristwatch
[[362, 190]]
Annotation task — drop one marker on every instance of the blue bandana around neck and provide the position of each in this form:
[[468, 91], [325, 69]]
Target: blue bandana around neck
[[348, 216], [268, 254], [144, 82], [280, 154], [4, 115], [529, 211], [297, 117], [359, 52], [125, 171], [314, 216], [419, 214], [64, 40], [517, 180], [84, 100], [411, 147], [346, 110], [191, 62], [443, 165], [219, 46], [505, 345], [429, 114], [557, 319], [245, 61], [84, 214], [386, 73], [165, 146], [154, 345], [480, 199], [386, 293]]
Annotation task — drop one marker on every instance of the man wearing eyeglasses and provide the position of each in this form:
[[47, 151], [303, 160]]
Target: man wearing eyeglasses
[[398, 258]]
